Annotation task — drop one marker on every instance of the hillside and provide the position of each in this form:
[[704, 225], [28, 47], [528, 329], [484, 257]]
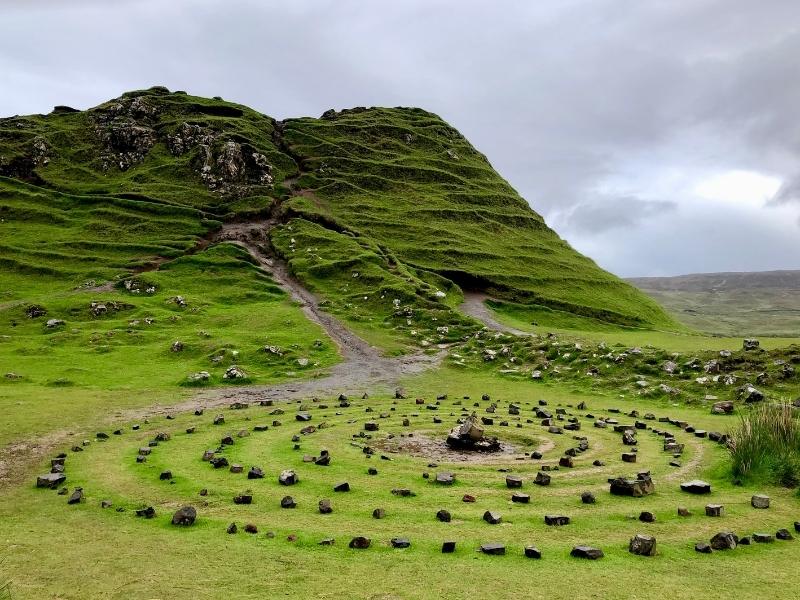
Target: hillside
[[385, 214], [746, 303]]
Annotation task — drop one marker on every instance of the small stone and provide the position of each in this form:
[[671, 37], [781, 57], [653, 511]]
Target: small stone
[[325, 507], [444, 516], [783, 534], [360, 543], [759, 501], [763, 538], [556, 520], [493, 549], [642, 545], [724, 540], [588, 498], [448, 547], [703, 548], [288, 502], [714, 510], [493, 518], [232, 528], [520, 498], [586, 552], [532, 552], [696, 487], [400, 543], [378, 513], [185, 516], [342, 487]]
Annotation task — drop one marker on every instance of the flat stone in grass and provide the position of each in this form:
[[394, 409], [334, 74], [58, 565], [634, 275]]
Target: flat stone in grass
[[586, 552], [469, 498], [783, 534], [532, 552], [641, 486], [444, 516], [325, 507], [493, 549], [763, 538], [251, 528], [629, 457], [288, 502], [403, 492], [237, 469], [542, 479], [556, 520], [327, 542], [324, 459], [208, 455], [588, 498], [303, 417], [145, 451], [165, 475], [360, 543], [185, 516], [520, 498], [513, 481], [642, 545], [218, 462], [342, 487], [378, 513], [243, 499], [797, 526], [76, 496], [288, 477], [759, 501], [491, 517], [448, 547], [703, 548], [696, 486], [566, 462], [400, 542], [371, 426], [146, 513], [445, 478], [50, 480], [714, 510], [255, 473], [724, 540]]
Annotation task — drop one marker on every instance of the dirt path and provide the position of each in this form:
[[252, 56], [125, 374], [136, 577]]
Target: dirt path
[[362, 369], [474, 306]]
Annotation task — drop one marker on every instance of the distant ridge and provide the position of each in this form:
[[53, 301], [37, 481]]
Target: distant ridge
[[697, 282]]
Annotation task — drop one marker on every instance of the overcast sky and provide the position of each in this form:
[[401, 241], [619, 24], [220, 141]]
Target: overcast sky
[[657, 136]]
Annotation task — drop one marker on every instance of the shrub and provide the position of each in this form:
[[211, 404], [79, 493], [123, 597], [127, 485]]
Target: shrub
[[766, 445]]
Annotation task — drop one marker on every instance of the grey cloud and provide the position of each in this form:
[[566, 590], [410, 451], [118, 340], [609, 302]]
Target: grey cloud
[[561, 95], [605, 214]]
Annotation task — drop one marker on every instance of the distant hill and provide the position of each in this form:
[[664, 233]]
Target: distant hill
[[755, 303]]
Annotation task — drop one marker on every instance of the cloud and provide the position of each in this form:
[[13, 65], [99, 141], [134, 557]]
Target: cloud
[[604, 214], [602, 113]]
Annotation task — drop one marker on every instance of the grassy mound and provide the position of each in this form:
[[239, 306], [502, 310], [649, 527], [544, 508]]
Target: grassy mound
[[766, 445]]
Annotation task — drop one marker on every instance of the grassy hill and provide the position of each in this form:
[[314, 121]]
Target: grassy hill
[[759, 303]]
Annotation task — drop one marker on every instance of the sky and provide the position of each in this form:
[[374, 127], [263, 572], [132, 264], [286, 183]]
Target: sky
[[659, 137]]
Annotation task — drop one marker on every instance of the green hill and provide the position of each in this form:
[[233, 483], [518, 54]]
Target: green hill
[[386, 214]]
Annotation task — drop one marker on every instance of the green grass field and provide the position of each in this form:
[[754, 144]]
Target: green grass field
[[259, 565]]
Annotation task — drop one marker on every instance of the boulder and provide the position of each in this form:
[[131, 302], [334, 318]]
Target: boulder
[[759, 501], [641, 486], [724, 540], [325, 507], [360, 543], [513, 481], [722, 408], [288, 477], [696, 486], [288, 502], [50, 480], [184, 516], [542, 479], [642, 545], [493, 549], [491, 517]]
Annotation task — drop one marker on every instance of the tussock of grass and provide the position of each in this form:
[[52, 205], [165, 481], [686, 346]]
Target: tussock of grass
[[766, 445]]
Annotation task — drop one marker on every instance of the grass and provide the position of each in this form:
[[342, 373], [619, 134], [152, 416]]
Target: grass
[[117, 541], [541, 320], [766, 445]]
